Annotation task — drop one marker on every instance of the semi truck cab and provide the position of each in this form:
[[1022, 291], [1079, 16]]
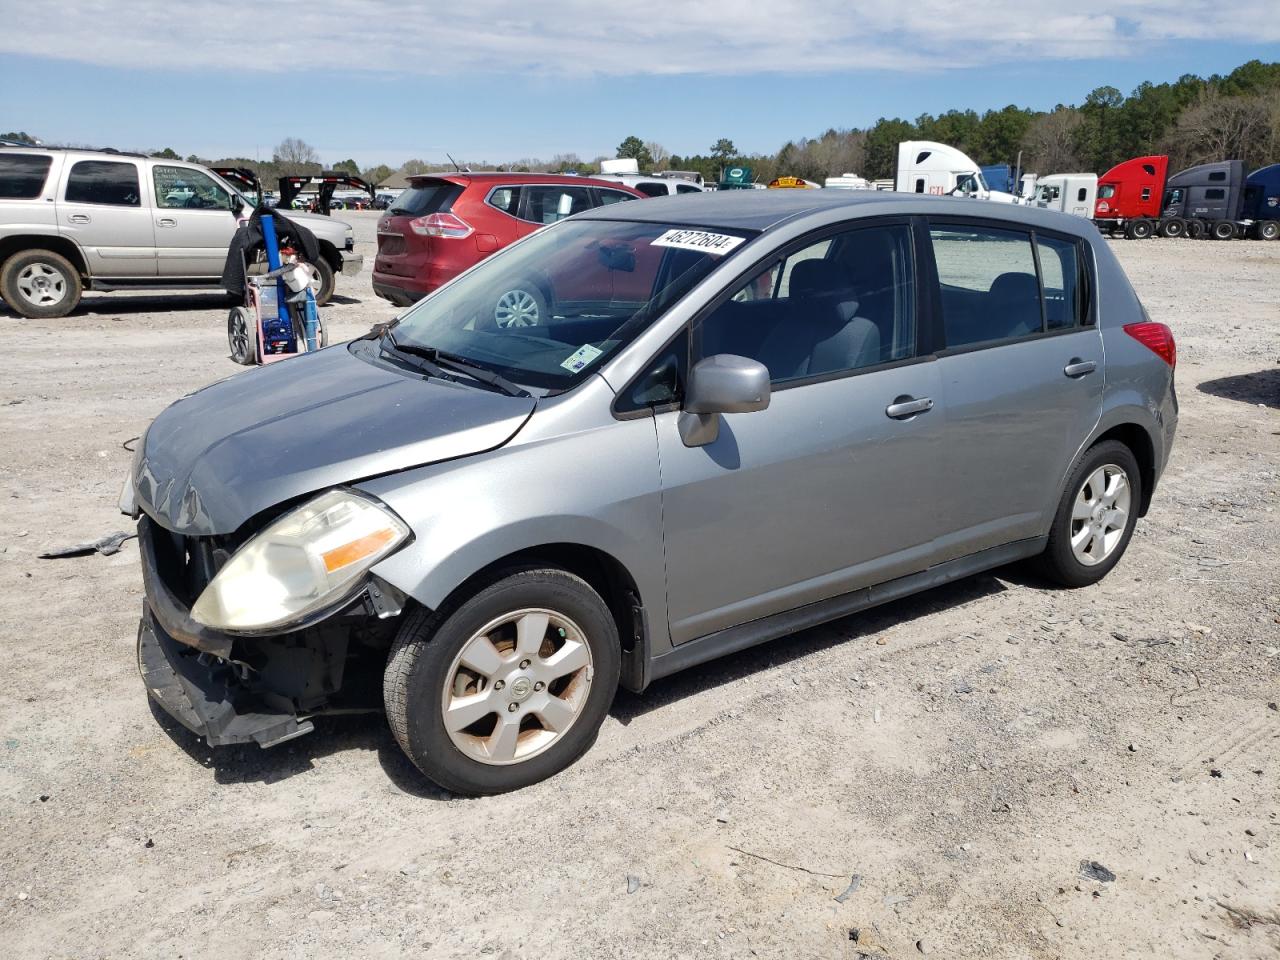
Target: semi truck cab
[[939, 170]]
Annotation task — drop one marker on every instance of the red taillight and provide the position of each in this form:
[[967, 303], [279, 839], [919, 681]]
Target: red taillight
[[1157, 338], [441, 225]]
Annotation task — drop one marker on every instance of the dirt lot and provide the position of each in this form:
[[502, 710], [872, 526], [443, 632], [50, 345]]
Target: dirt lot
[[962, 752]]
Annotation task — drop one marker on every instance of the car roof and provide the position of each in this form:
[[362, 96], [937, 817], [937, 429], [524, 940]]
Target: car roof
[[764, 209]]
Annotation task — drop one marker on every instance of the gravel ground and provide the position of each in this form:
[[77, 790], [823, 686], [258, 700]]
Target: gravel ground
[[962, 752]]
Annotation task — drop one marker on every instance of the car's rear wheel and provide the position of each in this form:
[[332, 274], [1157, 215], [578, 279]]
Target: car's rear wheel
[[523, 306], [1139, 229], [1224, 230], [1268, 230], [40, 284], [507, 687], [1095, 519], [1173, 228]]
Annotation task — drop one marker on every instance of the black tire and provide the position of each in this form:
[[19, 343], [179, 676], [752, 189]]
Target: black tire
[[1173, 228], [423, 655], [242, 337], [1268, 230], [1224, 230], [1058, 562], [1140, 229], [1196, 229], [40, 284]]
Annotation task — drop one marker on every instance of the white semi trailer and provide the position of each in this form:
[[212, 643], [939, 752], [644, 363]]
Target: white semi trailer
[[1074, 193], [935, 168]]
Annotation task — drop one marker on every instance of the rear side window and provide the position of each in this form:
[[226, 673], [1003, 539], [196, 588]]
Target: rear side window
[[506, 199], [988, 283], [1064, 289], [652, 189], [1218, 175], [1214, 193], [421, 199], [1081, 194], [105, 182], [613, 196], [22, 176], [686, 188]]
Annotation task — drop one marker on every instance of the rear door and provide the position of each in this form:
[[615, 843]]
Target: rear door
[[104, 209], [542, 204], [195, 219], [1021, 377]]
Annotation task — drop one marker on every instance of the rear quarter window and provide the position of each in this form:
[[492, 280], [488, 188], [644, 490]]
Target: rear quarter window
[[22, 176]]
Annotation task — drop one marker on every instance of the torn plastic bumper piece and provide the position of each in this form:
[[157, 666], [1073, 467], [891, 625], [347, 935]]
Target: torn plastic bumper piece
[[202, 693]]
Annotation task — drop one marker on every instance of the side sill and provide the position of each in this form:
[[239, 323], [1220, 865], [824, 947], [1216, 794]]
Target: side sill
[[740, 637]]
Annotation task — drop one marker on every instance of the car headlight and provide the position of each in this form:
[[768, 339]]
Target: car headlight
[[309, 557]]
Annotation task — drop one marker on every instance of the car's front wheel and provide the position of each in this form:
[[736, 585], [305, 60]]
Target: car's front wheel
[[506, 687], [1095, 519]]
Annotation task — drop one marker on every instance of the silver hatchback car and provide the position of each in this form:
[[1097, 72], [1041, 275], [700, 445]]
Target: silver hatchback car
[[742, 414]]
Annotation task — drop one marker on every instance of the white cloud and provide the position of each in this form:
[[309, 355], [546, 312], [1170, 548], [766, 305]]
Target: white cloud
[[576, 37]]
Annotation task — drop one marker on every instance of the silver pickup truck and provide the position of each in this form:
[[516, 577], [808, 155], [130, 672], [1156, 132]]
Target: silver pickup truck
[[72, 220]]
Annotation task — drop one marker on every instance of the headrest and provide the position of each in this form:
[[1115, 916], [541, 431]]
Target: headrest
[[1016, 286], [818, 278]]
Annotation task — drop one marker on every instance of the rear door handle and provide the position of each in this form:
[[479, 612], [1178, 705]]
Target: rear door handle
[[78, 218], [1079, 368], [904, 408], [166, 222]]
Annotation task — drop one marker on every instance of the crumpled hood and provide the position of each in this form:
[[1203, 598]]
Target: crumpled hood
[[231, 450]]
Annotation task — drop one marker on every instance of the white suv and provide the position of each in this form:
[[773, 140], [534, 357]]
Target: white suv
[[72, 220], [651, 186]]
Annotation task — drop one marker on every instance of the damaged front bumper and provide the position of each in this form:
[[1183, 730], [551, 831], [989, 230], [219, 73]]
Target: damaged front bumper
[[238, 689]]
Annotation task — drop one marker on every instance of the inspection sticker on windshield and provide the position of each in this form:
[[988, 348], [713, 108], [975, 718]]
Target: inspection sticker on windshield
[[716, 244], [580, 358]]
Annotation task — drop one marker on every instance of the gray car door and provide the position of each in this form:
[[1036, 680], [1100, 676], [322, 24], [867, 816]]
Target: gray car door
[[103, 209], [1022, 378], [195, 219], [832, 487]]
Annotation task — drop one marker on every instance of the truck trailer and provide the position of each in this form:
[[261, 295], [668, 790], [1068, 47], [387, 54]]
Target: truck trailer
[[1139, 199]]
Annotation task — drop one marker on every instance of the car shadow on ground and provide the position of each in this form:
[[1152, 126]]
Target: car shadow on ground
[[628, 706], [1262, 387], [248, 763], [99, 306]]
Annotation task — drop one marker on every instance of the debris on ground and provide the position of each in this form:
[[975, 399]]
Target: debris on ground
[[1093, 870], [850, 890], [107, 546]]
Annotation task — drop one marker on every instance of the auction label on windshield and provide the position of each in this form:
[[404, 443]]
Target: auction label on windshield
[[580, 358], [716, 244]]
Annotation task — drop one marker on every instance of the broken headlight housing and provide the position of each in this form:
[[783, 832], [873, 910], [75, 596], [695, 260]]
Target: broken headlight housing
[[304, 561]]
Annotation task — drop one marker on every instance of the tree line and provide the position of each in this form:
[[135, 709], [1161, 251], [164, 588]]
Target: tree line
[[1193, 119]]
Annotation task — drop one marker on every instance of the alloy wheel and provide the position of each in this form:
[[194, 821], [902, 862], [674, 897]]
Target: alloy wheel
[[516, 308], [516, 686], [1100, 514], [42, 285]]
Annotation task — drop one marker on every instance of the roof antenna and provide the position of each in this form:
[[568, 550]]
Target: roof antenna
[[457, 169]]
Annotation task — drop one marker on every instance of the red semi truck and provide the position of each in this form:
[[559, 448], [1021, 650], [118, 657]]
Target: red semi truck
[[1138, 198]]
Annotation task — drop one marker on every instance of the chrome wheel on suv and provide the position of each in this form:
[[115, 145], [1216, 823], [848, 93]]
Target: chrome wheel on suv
[[40, 284], [519, 308]]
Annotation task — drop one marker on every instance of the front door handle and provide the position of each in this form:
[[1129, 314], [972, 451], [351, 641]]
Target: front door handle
[[166, 222], [1079, 368], [906, 407], [79, 218]]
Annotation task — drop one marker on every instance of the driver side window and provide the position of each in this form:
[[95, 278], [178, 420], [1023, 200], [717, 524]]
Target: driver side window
[[181, 188]]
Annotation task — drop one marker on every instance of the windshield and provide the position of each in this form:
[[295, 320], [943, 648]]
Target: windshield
[[550, 310]]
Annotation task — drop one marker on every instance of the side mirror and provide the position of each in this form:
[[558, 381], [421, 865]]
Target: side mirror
[[721, 384]]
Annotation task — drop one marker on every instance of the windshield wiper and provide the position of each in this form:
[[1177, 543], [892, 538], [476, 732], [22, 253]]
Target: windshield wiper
[[456, 364]]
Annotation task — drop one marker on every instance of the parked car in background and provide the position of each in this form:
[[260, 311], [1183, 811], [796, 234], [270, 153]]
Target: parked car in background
[[808, 403], [652, 186], [444, 223], [75, 220]]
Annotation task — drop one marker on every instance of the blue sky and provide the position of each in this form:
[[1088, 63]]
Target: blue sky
[[502, 84]]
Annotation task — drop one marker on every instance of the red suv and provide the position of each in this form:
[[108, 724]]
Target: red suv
[[444, 223]]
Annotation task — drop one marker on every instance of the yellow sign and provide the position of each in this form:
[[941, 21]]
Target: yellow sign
[[788, 183]]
